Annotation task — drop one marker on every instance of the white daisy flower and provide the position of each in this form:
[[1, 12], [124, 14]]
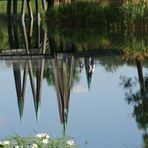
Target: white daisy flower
[[45, 141], [42, 135], [5, 142], [34, 145], [16, 146], [70, 142]]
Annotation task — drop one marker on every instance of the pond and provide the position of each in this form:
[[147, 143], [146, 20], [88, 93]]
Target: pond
[[81, 84]]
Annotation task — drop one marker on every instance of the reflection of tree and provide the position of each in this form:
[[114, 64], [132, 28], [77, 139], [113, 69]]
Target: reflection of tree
[[90, 38], [48, 73], [93, 38], [111, 63], [145, 140], [141, 79], [3, 34], [139, 99]]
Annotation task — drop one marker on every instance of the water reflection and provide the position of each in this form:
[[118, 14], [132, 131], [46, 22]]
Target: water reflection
[[63, 69], [37, 55], [138, 99], [20, 86]]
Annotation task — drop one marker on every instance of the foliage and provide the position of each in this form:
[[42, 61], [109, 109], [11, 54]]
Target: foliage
[[135, 11], [38, 141], [116, 13], [3, 35], [133, 43], [136, 47], [111, 63], [3, 6], [77, 13]]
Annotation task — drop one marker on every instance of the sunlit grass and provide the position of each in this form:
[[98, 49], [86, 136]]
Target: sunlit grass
[[3, 7]]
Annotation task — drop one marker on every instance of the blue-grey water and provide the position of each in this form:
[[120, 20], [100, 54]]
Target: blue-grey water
[[99, 117]]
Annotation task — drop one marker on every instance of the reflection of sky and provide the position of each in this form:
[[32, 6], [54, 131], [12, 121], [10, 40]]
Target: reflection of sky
[[9, 109], [102, 117], [78, 88], [99, 116]]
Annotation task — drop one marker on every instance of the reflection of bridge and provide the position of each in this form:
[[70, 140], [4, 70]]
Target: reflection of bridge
[[21, 55], [63, 65]]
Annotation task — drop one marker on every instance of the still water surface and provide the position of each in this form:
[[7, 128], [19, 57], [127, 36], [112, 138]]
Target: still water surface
[[99, 117], [99, 99]]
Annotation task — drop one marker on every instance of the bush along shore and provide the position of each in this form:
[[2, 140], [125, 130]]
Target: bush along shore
[[115, 14], [42, 140]]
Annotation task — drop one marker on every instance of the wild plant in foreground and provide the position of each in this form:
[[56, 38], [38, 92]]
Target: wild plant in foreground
[[42, 140]]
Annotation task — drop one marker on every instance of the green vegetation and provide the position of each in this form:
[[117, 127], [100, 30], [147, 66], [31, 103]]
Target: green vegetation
[[135, 11], [97, 38], [3, 8], [132, 42], [115, 14], [78, 12], [37, 141], [83, 38], [3, 35]]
